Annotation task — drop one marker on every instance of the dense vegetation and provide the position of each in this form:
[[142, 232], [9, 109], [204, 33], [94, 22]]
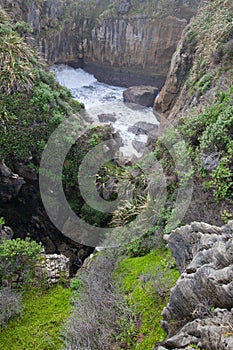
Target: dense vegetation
[[43, 313]]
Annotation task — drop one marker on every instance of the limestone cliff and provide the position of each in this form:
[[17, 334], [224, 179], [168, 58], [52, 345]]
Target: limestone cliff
[[140, 46], [202, 63], [122, 42], [200, 311]]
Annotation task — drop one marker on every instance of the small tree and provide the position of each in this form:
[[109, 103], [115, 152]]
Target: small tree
[[17, 259]]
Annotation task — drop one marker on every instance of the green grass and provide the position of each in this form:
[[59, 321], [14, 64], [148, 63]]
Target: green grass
[[40, 326], [141, 295]]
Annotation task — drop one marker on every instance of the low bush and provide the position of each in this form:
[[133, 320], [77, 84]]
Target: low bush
[[10, 305], [99, 312], [17, 259]]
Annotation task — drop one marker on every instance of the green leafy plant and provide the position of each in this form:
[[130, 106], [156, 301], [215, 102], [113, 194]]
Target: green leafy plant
[[17, 61], [222, 180], [18, 257]]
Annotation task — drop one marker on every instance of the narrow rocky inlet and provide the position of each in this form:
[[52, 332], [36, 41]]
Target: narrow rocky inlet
[[116, 174]]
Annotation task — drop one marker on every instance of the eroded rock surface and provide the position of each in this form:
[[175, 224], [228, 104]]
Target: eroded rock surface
[[141, 95], [124, 46], [200, 309], [10, 183]]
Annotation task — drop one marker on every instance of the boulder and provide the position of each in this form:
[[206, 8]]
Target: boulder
[[138, 146], [141, 95], [6, 233], [142, 128], [105, 117]]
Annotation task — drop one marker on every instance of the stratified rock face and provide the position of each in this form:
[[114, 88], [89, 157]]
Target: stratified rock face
[[180, 66], [200, 310], [141, 45], [211, 333], [126, 47], [52, 27], [142, 95]]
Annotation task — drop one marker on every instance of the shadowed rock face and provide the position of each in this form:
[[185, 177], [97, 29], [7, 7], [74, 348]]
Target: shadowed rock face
[[141, 45], [142, 95], [200, 309]]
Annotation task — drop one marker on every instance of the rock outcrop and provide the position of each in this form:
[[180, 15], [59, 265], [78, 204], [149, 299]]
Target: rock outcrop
[[201, 64], [200, 309], [181, 64], [21, 207], [142, 95], [10, 183], [142, 128], [52, 268]]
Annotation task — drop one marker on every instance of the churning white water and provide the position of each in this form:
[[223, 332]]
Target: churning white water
[[100, 98]]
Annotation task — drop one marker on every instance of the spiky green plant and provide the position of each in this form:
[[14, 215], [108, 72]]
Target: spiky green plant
[[17, 59]]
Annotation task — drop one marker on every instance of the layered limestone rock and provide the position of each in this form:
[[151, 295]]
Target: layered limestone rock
[[181, 64], [56, 28], [123, 43], [139, 45], [200, 309], [201, 65]]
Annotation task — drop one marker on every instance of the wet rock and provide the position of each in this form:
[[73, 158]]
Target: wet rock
[[139, 146], [142, 128], [142, 95], [105, 118]]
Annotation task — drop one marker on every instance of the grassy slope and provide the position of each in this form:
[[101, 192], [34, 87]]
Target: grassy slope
[[137, 277], [40, 325]]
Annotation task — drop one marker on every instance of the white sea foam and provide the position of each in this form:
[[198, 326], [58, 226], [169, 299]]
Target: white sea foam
[[100, 98]]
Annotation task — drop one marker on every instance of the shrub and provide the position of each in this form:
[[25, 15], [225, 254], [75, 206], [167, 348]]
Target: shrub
[[17, 61], [99, 312], [17, 258], [10, 305]]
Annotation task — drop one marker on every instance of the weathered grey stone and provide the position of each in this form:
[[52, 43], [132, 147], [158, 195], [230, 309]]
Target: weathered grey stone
[[138, 145], [204, 255], [6, 232], [210, 161], [10, 183], [124, 6], [52, 268], [212, 333], [142, 95], [105, 118], [142, 128]]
